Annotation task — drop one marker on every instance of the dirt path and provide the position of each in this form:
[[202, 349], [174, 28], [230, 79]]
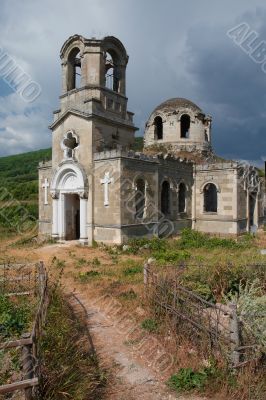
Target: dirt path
[[132, 373], [130, 379]]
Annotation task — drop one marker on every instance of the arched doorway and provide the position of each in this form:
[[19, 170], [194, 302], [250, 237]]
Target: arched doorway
[[70, 203], [72, 216]]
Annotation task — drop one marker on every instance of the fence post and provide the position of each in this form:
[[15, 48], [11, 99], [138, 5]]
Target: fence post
[[27, 366], [41, 278], [235, 337], [146, 273]]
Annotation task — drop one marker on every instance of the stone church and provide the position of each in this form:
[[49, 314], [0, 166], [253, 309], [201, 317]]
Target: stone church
[[97, 188]]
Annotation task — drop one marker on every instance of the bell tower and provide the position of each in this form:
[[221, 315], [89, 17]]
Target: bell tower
[[93, 89], [100, 63]]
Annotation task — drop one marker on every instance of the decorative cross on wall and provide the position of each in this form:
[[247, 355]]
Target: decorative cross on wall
[[106, 181], [45, 186]]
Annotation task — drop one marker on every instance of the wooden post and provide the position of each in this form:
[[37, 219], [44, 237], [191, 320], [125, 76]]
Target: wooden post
[[146, 273], [235, 339], [41, 277], [27, 366]]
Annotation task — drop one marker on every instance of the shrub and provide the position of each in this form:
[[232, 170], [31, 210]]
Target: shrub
[[155, 244], [202, 289], [194, 239], [19, 217], [171, 256], [187, 379], [88, 275], [219, 280], [81, 262], [150, 325], [133, 270], [60, 264], [251, 306], [96, 262], [14, 317]]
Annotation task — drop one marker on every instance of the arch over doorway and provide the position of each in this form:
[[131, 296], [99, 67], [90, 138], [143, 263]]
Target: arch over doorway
[[70, 200]]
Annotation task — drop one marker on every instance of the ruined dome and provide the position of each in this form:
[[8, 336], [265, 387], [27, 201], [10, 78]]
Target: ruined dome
[[177, 103], [179, 124]]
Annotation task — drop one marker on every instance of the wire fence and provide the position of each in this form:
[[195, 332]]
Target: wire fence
[[18, 279], [213, 328]]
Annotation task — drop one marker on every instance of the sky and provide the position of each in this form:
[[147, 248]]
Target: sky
[[177, 48]]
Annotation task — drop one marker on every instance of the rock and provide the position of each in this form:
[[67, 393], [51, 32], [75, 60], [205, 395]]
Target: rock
[[126, 247]]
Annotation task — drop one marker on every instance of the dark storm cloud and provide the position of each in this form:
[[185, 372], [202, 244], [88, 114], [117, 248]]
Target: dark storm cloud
[[232, 87], [177, 48]]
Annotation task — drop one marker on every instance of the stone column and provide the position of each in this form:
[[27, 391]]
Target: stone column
[[61, 216], [193, 200], [247, 211], [83, 217], [55, 233], [64, 76]]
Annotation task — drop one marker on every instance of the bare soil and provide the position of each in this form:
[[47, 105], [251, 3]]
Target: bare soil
[[131, 372]]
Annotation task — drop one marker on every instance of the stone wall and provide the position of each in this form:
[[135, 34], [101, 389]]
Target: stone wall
[[232, 215], [117, 222]]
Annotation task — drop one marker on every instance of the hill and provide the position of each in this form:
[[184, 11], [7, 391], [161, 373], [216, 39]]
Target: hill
[[19, 173]]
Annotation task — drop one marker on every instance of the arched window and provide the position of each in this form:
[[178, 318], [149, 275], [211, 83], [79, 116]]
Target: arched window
[[158, 128], [182, 198], [185, 126], [206, 136], [111, 73], [210, 198], [74, 69], [165, 198], [140, 198]]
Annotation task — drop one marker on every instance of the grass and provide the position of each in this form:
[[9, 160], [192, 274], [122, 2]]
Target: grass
[[9, 364], [96, 262], [59, 264], [133, 270], [150, 325], [128, 295], [15, 316], [210, 266], [188, 379], [87, 276], [74, 372]]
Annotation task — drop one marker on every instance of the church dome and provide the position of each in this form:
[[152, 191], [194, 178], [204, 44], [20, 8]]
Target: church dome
[[180, 124], [177, 103]]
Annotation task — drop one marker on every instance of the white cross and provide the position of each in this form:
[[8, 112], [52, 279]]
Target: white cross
[[105, 181], [45, 186]]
